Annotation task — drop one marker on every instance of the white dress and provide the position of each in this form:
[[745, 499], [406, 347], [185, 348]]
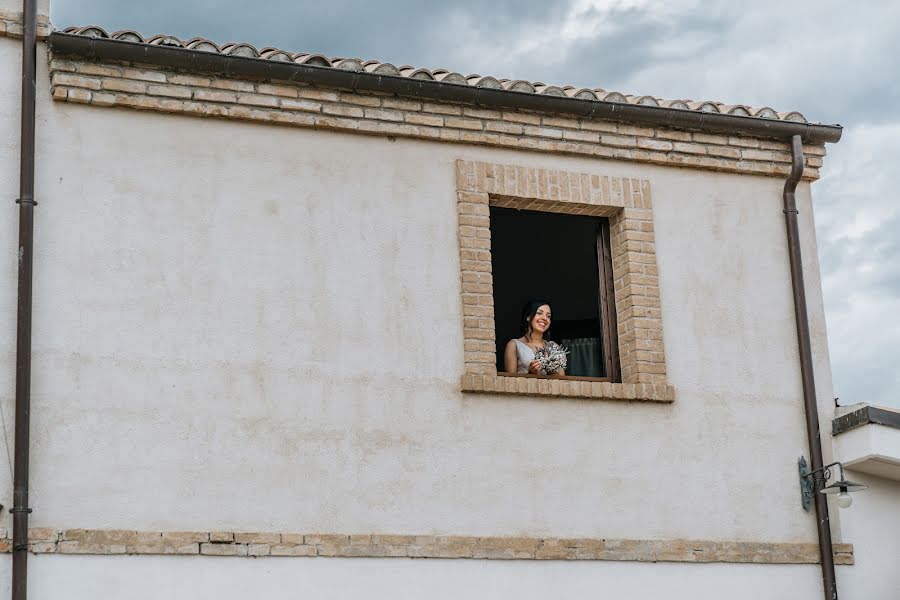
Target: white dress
[[525, 356]]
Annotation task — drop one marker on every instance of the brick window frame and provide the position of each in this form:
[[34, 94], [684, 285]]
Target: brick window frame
[[628, 205]]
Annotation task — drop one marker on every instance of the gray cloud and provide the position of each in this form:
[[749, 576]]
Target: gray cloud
[[857, 221], [827, 59], [834, 61], [830, 62]]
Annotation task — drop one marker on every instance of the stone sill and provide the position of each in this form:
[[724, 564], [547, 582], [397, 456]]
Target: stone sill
[[588, 388]]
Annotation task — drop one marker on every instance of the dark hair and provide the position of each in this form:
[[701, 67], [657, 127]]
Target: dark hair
[[528, 311]]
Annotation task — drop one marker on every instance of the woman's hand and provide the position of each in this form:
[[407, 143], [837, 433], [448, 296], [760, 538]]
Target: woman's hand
[[535, 367]]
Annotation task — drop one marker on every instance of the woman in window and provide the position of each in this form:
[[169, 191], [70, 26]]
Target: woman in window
[[519, 356]]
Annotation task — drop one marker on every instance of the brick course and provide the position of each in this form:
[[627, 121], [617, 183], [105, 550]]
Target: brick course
[[146, 87], [11, 25], [274, 544]]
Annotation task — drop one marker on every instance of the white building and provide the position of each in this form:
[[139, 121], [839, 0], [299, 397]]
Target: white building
[[867, 441], [268, 289]]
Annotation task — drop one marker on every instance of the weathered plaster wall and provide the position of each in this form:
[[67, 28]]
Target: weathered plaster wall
[[180, 578], [43, 6], [10, 101], [227, 313], [255, 328]]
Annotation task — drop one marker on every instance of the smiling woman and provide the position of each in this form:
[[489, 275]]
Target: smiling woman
[[521, 353]]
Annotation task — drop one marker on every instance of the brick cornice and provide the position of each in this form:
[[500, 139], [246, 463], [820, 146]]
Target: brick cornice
[[144, 87], [228, 543], [11, 25]]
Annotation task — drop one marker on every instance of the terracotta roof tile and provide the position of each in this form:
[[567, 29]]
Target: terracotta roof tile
[[485, 81]]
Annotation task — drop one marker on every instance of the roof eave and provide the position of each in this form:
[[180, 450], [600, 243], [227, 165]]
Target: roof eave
[[238, 66], [864, 414]]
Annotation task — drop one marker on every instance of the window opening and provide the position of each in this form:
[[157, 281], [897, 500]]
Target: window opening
[[566, 259]]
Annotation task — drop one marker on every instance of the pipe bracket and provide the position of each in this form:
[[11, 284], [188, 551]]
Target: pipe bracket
[[26, 200]]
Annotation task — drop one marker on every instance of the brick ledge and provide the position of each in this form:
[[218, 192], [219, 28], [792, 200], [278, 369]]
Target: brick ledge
[[228, 543], [566, 388]]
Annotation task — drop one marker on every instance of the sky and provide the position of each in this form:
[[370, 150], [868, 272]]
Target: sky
[[837, 62]]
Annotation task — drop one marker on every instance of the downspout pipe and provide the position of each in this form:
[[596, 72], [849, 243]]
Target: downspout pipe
[[826, 552], [20, 509]]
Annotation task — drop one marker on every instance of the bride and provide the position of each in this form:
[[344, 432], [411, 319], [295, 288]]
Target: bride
[[518, 357]]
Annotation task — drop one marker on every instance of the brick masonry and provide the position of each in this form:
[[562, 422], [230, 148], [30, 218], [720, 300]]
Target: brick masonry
[[568, 388], [11, 25], [629, 206], [271, 544], [145, 87]]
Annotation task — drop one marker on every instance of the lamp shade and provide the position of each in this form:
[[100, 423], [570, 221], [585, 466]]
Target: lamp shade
[[843, 486]]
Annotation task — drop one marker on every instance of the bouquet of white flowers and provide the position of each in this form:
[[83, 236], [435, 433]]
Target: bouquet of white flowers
[[552, 358]]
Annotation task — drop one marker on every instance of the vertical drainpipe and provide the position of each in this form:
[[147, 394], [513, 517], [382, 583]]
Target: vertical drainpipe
[[826, 553], [20, 509]]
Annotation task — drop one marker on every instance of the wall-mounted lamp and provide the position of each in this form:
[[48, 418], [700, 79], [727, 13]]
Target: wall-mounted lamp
[[814, 481]]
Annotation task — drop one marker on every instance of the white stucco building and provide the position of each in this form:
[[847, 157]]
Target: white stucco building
[[266, 305]]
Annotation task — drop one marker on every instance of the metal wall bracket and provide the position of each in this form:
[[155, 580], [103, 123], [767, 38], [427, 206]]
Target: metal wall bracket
[[807, 485]]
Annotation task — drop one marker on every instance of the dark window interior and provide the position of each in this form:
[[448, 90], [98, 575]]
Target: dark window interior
[[554, 256]]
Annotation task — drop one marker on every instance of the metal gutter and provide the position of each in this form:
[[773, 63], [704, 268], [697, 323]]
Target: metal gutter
[[20, 509], [239, 66], [864, 416], [826, 551]]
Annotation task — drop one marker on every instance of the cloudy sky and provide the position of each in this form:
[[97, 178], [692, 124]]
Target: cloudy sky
[[834, 61]]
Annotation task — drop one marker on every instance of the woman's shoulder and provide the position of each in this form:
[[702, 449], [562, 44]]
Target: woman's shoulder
[[518, 345]]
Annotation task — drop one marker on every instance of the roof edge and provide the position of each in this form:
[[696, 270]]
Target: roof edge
[[863, 415], [239, 66]]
